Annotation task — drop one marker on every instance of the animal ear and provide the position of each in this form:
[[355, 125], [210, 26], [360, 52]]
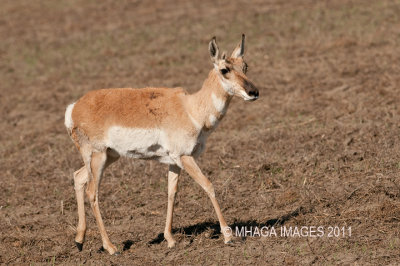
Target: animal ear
[[239, 50], [213, 49], [223, 57]]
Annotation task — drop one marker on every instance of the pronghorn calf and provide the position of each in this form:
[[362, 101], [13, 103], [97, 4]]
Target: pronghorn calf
[[168, 125]]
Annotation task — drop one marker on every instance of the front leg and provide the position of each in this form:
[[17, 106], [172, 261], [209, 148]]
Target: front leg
[[194, 171], [173, 175]]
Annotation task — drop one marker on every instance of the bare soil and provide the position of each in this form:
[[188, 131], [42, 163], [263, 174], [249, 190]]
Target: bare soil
[[319, 148]]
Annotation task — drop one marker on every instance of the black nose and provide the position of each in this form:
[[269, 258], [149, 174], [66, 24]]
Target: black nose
[[253, 93]]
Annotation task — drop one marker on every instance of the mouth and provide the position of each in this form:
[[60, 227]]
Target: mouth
[[248, 98], [251, 99]]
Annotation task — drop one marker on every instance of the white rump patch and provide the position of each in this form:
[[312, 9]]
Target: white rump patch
[[69, 123], [219, 104]]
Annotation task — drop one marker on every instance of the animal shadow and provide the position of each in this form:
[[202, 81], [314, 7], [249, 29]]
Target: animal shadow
[[197, 229]]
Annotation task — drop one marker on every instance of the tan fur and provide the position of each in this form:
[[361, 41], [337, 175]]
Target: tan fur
[[199, 104], [139, 108]]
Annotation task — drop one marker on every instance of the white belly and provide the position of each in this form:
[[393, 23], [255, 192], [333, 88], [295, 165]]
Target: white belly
[[150, 144]]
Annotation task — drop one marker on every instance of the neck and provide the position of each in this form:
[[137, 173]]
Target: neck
[[208, 105]]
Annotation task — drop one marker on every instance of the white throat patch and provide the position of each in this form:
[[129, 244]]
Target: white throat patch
[[213, 120], [218, 103]]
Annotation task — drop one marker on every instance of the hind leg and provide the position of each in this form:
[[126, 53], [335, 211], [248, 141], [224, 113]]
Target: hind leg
[[98, 162], [173, 175], [80, 179]]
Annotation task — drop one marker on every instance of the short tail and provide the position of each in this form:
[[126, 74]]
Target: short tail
[[69, 123]]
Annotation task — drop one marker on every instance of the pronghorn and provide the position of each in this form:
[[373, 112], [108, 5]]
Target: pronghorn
[[168, 125]]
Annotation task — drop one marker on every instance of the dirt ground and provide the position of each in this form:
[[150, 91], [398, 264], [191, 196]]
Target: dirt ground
[[319, 148]]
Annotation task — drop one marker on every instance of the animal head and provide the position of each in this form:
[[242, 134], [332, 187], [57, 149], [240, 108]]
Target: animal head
[[232, 71]]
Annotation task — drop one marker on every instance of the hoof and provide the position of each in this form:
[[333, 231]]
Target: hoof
[[102, 249], [227, 233], [171, 243], [79, 245], [170, 240], [228, 242]]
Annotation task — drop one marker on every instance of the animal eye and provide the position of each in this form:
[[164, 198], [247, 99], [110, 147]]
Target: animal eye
[[224, 71]]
